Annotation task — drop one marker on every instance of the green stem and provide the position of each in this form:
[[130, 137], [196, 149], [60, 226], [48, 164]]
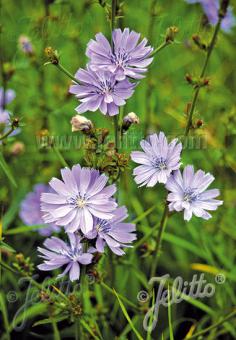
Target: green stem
[[77, 327], [159, 48], [7, 133], [116, 132], [116, 123], [159, 240], [123, 298], [229, 316], [56, 334], [197, 90], [60, 157], [64, 70]]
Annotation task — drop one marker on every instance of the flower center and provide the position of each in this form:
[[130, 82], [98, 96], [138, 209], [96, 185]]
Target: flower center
[[120, 58], [103, 226], [190, 195], [159, 163], [106, 86], [77, 201], [72, 254], [80, 202]]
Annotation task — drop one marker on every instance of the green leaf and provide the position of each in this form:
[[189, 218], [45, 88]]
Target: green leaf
[[14, 207], [127, 316], [24, 229], [48, 321], [28, 313], [7, 170], [5, 246]]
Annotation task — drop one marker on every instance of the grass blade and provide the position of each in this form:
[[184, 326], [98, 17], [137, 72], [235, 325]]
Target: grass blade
[[127, 316], [3, 309]]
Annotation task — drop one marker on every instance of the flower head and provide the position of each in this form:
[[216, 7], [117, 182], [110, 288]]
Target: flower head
[[30, 211], [157, 161], [78, 199], [127, 58], [59, 253], [188, 193], [100, 90], [6, 97], [211, 9], [115, 233]]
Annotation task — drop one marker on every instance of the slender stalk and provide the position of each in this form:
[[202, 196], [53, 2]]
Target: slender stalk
[[159, 48], [7, 133], [77, 329], [116, 132], [197, 90], [228, 317], [113, 18], [64, 70], [60, 157], [159, 240]]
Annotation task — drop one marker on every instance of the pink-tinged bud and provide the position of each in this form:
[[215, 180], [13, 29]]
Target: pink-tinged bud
[[17, 148], [80, 123]]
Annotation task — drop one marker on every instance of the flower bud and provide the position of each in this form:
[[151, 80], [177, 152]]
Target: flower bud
[[171, 33], [199, 123], [17, 148], [26, 45], [81, 123], [128, 120], [52, 55]]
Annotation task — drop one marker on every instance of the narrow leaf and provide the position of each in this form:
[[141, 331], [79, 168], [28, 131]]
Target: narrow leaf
[[127, 316]]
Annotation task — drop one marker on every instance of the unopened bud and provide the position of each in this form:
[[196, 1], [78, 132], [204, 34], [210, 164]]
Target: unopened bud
[[171, 33], [199, 123], [129, 119], [52, 55], [223, 8], [15, 122], [81, 123]]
